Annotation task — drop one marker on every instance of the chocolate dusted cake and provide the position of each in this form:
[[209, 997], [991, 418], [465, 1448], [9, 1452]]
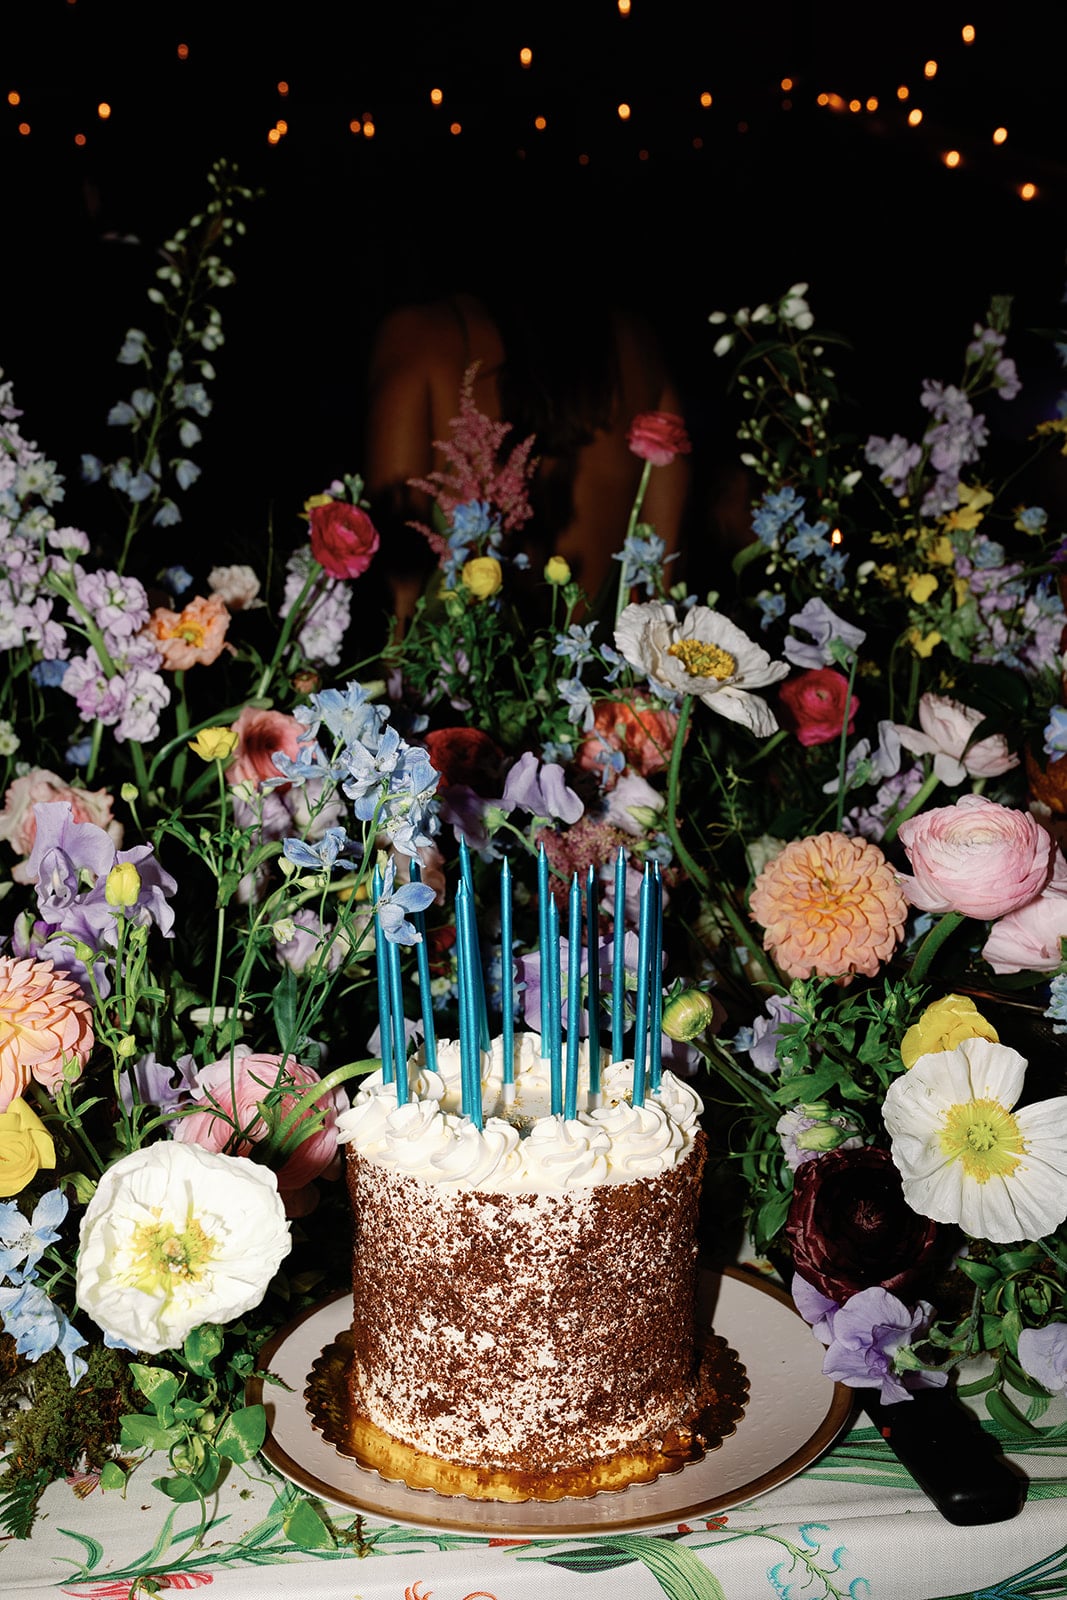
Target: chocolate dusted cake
[[524, 1294]]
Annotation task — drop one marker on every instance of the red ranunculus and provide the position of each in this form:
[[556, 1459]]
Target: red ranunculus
[[850, 1228], [658, 436], [343, 539], [465, 756], [814, 705]]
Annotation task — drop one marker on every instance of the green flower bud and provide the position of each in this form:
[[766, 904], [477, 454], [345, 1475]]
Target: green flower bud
[[129, 792], [688, 1015], [126, 1047], [824, 1136]]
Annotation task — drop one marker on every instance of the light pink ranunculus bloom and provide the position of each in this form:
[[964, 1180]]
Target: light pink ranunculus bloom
[[231, 1094], [946, 727], [18, 824], [236, 586], [975, 857], [1028, 940], [260, 734]]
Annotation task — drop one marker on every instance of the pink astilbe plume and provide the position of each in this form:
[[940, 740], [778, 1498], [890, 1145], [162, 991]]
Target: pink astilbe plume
[[475, 470]]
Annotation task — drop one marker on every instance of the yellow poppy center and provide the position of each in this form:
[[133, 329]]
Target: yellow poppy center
[[162, 1256], [985, 1137], [702, 660]]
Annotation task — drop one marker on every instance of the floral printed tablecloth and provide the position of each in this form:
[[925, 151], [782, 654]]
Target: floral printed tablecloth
[[854, 1524]]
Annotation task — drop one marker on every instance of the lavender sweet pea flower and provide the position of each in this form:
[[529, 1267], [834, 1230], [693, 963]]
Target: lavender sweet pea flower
[[766, 1031], [814, 1307], [868, 1332], [150, 1082], [824, 626], [542, 794], [1043, 1355]]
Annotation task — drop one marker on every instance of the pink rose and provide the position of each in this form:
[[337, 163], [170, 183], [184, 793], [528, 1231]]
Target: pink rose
[[18, 824], [232, 1092], [260, 734], [947, 728], [1028, 940], [975, 857], [814, 704], [343, 539], [658, 436]]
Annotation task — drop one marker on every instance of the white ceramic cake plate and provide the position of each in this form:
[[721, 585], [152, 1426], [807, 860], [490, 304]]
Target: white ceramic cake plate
[[793, 1415]]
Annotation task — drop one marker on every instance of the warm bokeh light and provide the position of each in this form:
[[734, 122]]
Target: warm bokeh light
[[369, 130], [624, 8], [915, 116], [1027, 191], [951, 158], [455, 127], [274, 137], [526, 55], [14, 98], [822, 100], [872, 102], [967, 33], [355, 126], [835, 102], [999, 135], [183, 52], [283, 88], [837, 537], [930, 69], [103, 111], [79, 139], [540, 124], [436, 97], [282, 126], [642, 155], [786, 85], [624, 112], [903, 92], [705, 99], [698, 143], [24, 127], [583, 160], [855, 105]]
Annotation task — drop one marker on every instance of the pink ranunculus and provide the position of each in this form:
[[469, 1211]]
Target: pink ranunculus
[[231, 1094], [260, 734], [946, 728], [343, 539], [1029, 940], [658, 436], [975, 857], [814, 703], [18, 824]]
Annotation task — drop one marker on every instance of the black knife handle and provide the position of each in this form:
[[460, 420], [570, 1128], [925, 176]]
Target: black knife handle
[[950, 1456]]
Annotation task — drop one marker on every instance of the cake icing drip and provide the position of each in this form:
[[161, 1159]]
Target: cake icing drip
[[522, 1147]]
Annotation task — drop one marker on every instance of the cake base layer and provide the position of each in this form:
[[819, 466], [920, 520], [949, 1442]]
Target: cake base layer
[[723, 1393]]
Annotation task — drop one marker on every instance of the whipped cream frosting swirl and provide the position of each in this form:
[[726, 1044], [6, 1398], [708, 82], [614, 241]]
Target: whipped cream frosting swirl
[[522, 1147]]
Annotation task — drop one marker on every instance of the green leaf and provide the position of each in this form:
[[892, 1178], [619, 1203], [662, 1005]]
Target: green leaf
[[1008, 1416], [284, 1004], [679, 1571], [978, 1272], [159, 1387], [305, 1527], [112, 1476], [242, 1434], [147, 1433], [201, 1347]]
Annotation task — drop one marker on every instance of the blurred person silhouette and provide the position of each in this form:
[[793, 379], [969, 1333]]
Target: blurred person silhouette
[[552, 359]]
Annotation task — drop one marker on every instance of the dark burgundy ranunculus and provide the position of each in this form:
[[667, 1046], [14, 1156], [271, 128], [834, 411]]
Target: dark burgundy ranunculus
[[850, 1227], [465, 756]]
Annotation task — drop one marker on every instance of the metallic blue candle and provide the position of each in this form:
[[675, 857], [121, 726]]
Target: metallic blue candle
[[477, 976], [396, 1006], [507, 977], [574, 997], [592, 935], [470, 1065], [555, 1008], [381, 961], [422, 954], [644, 960], [655, 1026], [543, 897], [618, 970]]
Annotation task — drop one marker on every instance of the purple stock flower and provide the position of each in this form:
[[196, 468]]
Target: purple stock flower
[[544, 794], [867, 1333]]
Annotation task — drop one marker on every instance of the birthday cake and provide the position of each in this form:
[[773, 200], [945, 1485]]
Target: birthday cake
[[524, 1292]]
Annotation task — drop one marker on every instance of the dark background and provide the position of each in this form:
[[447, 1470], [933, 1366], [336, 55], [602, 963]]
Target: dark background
[[681, 209]]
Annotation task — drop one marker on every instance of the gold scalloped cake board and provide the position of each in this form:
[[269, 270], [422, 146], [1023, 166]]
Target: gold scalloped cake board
[[723, 1383]]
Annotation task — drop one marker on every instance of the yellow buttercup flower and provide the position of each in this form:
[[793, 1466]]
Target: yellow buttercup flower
[[943, 1025], [25, 1147], [924, 644], [214, 744], [920, 586], [557, 571], [482, 575]]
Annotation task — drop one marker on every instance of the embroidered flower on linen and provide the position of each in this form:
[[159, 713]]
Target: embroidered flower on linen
[[702, 654], [966, 1156]]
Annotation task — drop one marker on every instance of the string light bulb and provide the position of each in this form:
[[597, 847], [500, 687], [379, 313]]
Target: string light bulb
[[706, 99], [14, 98], [999, 135], [183, 52], [967, 33], [915, 116], [525, 55]]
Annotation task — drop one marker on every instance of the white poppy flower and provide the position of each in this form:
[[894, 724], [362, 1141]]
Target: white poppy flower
[[965, 1156], [176, 1236], [705, 655]]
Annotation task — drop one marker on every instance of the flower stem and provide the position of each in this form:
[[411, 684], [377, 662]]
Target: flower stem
[[930, 946], [916, 803], [698, 875], [635, 512]]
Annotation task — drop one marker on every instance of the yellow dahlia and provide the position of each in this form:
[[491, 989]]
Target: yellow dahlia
[[45, 1026], [831, 906]]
